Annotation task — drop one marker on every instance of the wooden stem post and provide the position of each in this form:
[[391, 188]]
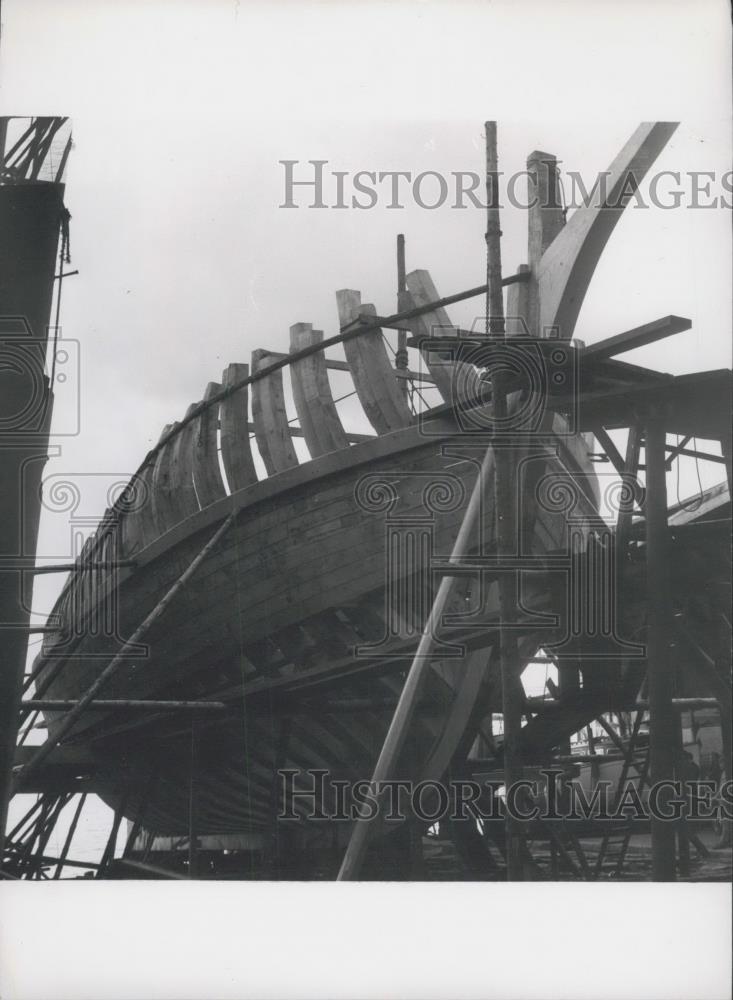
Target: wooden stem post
[[663, 724], [505, 506]]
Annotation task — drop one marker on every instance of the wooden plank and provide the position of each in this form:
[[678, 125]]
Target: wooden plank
[[207, 479], [566, 268], [374, 377], [236, 451], [137, 527], [272, 430], [432, 324], [165, 511], [149, 523], [314, 403], [182, 494], [517, 306], [638, 337]]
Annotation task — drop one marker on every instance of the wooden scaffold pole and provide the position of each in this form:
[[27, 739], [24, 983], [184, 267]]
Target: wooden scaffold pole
[[505, 498], [662, 736]]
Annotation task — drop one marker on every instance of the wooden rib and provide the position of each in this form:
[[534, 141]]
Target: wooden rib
[[182, 494], [270, 419], [236, 452], [137, 529], [374, 378], [206, 473], [165, 512], [433, 324], [314, 403], [148, 523], [566, 268]]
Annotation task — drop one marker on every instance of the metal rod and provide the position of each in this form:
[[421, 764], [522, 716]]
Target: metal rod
[[69, 720], [419, 667], [662, 723]]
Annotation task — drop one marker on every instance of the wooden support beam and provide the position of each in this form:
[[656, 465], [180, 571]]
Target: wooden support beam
[[410, 694], [505, 502], [610, 449], [638, 337], [76, 712], [70, 836], [662, 723], [101, 704], [78, 567]]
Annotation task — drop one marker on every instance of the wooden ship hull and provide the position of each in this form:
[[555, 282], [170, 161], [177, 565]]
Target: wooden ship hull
[[299, 635], [303, 619]]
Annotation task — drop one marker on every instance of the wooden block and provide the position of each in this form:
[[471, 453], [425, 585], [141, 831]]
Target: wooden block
[[374, 377], [314, 403], [272, 430], [236, 451]]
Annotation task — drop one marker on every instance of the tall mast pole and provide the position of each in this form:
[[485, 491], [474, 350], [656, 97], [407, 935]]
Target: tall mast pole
[[505, 495]]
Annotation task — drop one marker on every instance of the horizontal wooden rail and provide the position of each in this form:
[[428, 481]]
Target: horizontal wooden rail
[[77, 567], [60, 705], [350, 332], [352, 436], [344, 366], [638, 337]]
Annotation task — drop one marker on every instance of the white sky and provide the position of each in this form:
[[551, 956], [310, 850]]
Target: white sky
[[182, 110]]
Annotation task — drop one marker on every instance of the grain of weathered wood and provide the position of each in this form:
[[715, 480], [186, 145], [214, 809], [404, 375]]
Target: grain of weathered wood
[[436, 323], [319, 419], [270, 419], [207, 479], [148, 521], [374, 377], [567, 265], [166, 512], [236, 451], [182, 492]]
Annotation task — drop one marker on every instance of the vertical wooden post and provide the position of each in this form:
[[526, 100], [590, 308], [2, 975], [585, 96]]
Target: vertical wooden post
[[683, 839], [70, 836], [662, 717], [545, 219], [193, 807], [505, 504], [401, 356]]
